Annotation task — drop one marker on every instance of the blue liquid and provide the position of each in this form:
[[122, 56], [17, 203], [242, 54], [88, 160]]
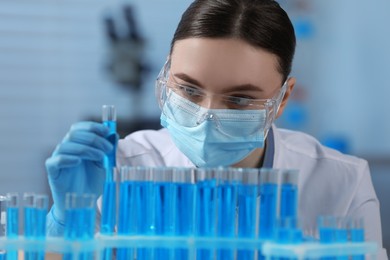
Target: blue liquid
[[165, 205], [357, 235], [227, 208], [205, 214], [29, 229], [12, 230], [110, 160], [288, 201], [144, 210], [268, 193], [185, 215], [12, 222], [327, 235], [125, 218], [247, 197], [40, 230], [79, 225], [108, 208], [288, 235]]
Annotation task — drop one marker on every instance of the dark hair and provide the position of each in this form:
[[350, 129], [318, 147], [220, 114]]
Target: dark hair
[[261, 23]]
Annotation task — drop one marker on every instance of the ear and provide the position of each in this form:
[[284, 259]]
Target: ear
[[290, 87]]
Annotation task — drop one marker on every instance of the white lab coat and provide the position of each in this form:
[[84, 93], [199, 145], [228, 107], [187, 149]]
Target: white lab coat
[[330, 183]]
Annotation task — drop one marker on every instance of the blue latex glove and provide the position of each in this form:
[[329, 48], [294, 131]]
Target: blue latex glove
[[76, 164]]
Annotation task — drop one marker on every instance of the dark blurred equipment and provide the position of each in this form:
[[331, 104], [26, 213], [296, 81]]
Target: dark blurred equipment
[[125, 64]]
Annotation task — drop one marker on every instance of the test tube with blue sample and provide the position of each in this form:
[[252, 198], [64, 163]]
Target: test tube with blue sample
[[355, 227], [205, 207], [184, 180], [29, 221], [268, 202], [12, 223], [3, 220], [289, 194], [136, 208], [108, 219], [247, 208], [80, 213], [165, 200], [227, 202]]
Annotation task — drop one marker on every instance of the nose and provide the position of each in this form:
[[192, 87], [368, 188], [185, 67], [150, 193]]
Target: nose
[[209, 102]]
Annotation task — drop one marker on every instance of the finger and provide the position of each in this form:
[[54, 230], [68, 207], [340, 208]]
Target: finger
[[90, 139], [84, 152], [97, 128], [55, 163]]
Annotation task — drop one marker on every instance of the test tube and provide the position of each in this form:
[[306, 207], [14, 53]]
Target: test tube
[[247, 208], [184, 180], [355, 227], [109, 194], [29, 221], [136, 208], [12, 224], [79, 220], [3, 220], [268, 202], [41, 209], [230, 180], [165, 200], [205, 207], [288, 230], [289, 194]]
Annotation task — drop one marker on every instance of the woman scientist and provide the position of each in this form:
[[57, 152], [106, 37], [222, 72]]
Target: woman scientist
[[225, 81]]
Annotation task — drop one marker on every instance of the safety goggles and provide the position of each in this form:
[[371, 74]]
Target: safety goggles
[[170, 93]]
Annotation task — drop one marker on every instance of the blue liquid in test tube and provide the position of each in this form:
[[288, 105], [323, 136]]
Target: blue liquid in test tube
[[184, 207], [356, 233], [3, 212], [289, 194], [268, 200], [12, 226], [165, 205], [247, 208], [109, 194], [79, 221], [205, 208], [29, 221], [227, 194]]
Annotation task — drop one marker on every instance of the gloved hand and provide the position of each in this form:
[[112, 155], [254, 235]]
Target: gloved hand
[[76, 164]]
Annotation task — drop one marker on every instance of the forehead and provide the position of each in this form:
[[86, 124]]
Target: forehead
[[225, 62]]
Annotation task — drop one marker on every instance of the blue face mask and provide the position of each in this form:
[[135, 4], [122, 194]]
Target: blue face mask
[[213, 137]]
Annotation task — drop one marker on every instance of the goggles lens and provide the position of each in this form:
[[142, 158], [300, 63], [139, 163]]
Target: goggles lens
[[173, 97]]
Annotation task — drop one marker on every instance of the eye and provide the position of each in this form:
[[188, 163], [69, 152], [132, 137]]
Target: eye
[[239, 102], [189, 91]]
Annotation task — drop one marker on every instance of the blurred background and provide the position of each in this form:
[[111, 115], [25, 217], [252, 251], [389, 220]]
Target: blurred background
[[60, 61]]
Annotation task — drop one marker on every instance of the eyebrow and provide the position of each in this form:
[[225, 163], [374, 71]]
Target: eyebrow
[[243, 87]]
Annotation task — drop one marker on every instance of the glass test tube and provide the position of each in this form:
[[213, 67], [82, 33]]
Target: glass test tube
[[136, 207], [247, 208], [12, 224], [355, 227], [289, 194], [184, 180], [79, 220], [288, 231], [29, 221], [268, 202], [227, 204], [165, 200], [108, 219], [3, 220], [205, 207]]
